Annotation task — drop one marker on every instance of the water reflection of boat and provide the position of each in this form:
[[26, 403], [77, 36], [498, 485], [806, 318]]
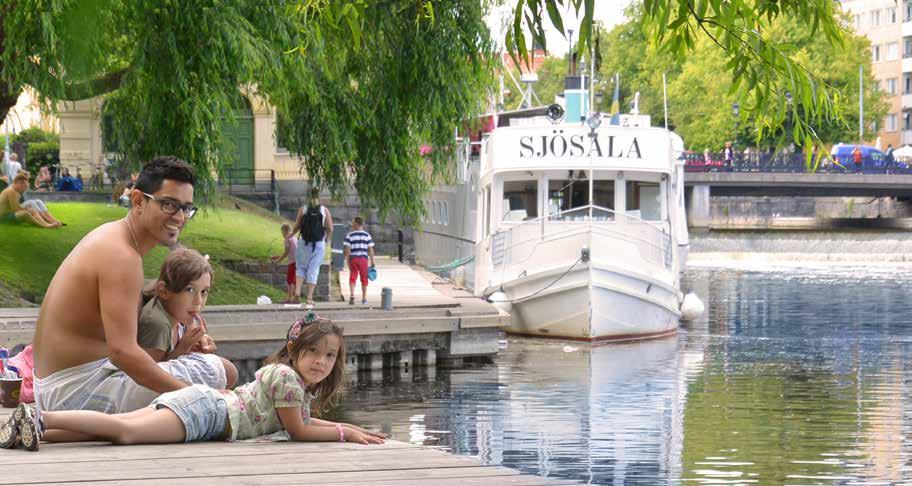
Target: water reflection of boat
[[600, 414]]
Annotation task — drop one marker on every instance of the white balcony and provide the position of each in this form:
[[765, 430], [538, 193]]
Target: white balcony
[[907, 28], [907, 64], [907, 101], [907, 137]]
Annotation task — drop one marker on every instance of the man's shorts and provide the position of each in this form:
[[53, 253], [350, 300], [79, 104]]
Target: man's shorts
[[202, 410]]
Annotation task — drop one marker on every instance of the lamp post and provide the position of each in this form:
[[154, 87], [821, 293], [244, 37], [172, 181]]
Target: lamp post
[[788, 114], [570, 54], [736, 111], [788, 126]]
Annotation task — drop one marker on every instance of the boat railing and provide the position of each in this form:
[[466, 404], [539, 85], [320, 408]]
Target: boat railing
[[518, 243]]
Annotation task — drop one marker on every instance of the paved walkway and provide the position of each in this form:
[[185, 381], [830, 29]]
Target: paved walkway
[[410, 285]]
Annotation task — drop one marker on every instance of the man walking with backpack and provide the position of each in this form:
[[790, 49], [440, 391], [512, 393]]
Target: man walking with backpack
[[315, 224]]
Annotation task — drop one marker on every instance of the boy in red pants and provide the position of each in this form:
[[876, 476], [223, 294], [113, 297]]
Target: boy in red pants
[[358, 247]]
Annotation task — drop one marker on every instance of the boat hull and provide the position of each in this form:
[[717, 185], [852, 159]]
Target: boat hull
[[593, 304]]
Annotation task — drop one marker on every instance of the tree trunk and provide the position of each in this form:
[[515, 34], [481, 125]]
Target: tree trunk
[[7, 101]]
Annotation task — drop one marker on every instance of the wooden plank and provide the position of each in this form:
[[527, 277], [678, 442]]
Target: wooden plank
[[477, 475], [492, 320], [192, 467], [92, 451]]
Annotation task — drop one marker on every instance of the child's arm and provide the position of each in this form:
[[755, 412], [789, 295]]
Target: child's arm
[[327, 423], [299, 431], [281, 257], [370, 251]]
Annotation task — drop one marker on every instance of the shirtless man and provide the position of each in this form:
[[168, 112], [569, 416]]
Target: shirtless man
[[86, 351]]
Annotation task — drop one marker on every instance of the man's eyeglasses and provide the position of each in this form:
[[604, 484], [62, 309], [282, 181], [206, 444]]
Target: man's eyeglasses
[[170, 206]]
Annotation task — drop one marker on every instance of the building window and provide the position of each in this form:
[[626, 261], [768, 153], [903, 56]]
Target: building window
[[891, 15], [907, 47], [907, 83], [875, 53], [891, 86], [875, 18], [281, 133], [857, 22], [892, 51], [907, 121], [908, 12], [890, 122]]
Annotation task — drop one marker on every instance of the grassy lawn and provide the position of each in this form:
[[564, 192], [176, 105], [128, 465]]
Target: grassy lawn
[[29, 256]]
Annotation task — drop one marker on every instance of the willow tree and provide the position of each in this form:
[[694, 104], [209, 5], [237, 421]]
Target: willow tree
[[361, 83]]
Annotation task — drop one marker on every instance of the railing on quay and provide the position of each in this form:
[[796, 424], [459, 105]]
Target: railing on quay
[[246, 182], [794, 163]]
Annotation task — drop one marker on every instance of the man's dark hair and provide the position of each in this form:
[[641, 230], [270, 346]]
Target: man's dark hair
[[161, 168]]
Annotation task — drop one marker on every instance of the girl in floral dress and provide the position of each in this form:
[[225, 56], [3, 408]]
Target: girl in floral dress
[[305, 374]]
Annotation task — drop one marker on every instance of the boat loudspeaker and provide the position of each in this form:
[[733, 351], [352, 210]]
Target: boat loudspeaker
[[555, 113]]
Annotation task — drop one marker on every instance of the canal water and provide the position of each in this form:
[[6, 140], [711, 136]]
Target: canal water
[[795, 375]]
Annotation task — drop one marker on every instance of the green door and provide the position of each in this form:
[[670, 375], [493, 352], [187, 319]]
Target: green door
[[239, 136]]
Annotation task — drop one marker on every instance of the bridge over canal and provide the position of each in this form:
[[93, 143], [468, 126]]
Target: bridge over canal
[[701, 186]]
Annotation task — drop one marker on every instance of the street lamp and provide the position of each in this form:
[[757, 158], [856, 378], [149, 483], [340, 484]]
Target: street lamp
[[736, 112], [788, 114], [570, 53]]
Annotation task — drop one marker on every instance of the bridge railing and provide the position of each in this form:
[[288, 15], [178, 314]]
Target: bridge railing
[[794, 163]]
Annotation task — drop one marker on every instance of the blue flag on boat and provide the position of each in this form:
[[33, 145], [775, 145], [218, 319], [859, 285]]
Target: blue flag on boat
[[615, 102]]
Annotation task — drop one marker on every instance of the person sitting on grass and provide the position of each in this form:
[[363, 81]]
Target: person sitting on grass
[[291, 247], [171, 328], [358, 247], [43, 179], [310, 366], [34, 212]]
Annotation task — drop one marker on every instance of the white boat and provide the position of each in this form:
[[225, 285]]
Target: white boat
[[580, 232]]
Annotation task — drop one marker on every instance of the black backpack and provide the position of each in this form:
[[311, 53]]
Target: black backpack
[[312, 230]]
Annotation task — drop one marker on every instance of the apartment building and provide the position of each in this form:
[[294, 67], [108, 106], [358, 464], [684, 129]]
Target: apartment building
[[888, 25]]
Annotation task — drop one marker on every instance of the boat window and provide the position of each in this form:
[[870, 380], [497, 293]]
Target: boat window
[[487, 210], [567, 196], [603, 199], [644, 200], [520, 200]]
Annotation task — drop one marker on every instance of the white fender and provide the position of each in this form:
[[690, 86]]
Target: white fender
[[691, 307], [501, 301]]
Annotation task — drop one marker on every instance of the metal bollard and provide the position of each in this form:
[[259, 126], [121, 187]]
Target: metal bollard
[[386, 298]]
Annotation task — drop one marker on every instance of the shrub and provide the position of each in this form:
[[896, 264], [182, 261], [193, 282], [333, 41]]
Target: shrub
[[35, 135]]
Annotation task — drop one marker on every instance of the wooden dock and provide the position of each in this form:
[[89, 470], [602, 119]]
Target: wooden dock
[[431, 323], [250, 463]]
